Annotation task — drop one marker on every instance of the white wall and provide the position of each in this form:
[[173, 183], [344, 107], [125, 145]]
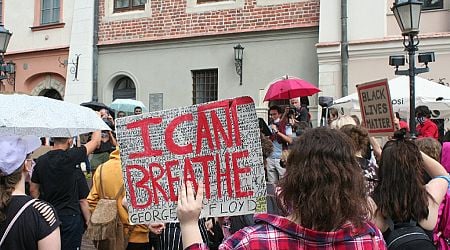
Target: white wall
[[82, 39], [19, 18]]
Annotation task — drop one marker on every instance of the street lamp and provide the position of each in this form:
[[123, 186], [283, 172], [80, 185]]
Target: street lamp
[[6, 69], [407, 14], [238, 56]]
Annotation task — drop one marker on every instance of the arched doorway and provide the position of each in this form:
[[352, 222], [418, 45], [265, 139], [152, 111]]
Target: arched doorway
[[124, 89], [51, 93]]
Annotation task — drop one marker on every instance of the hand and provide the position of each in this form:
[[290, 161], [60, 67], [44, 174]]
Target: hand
[[396, 123], [274, 128], [189, 205], [156, 228], [209, 224], [125, 203]]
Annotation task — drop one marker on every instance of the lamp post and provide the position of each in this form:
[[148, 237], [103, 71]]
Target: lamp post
[[238, 56], [407, 14], [9, 68]]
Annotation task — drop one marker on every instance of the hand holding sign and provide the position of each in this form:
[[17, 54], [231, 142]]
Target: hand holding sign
[[190, 204], [188, 211]]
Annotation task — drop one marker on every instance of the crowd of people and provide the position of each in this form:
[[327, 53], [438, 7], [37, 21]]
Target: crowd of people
[[331, 187]]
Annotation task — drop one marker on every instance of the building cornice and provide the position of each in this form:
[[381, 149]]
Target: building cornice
[[380, 48], [37, 50], [203, 35], [212, 40]]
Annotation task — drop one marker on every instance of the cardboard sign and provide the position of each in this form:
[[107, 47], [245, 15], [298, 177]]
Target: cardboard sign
[[217, 143], [376, 107]]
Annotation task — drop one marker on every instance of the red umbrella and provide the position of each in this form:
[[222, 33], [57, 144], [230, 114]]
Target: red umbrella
[[290, 87]]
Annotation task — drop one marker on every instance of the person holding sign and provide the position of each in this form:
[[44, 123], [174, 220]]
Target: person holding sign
[[324, 191]]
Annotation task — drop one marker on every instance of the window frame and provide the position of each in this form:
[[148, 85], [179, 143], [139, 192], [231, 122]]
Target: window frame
[[440, 6], [52, 9], [130, 7], [128, 91], [210, 1], [210, 89]]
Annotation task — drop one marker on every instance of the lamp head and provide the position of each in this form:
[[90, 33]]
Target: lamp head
[[238, 52], [407, 14], [426, 57], [5, 35], [396, 61]]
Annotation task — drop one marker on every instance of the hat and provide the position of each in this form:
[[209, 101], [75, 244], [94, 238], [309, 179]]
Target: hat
[[14, 150]]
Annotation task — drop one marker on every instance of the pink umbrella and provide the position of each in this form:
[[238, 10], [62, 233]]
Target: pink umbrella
[[290, 87]]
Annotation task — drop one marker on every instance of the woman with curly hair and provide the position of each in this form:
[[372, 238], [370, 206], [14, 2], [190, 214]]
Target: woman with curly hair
[[323, 190], [360, 139], [401, 195]]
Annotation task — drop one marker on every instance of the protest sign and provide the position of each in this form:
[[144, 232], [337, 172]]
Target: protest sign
[[217, 143], [376, 107]]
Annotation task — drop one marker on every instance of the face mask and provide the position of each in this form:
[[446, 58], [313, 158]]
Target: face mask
[[420, 120]]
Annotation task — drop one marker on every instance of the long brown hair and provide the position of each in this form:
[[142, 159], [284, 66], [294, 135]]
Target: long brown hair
[[7, 185], [323, 186], [401, 194]]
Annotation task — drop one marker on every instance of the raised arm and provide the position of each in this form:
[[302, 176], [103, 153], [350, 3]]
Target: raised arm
[[433, 167], [376, 147], [94, 143], [188, 211]]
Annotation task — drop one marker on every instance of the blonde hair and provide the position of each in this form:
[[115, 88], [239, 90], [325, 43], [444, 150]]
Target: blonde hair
[[430, 147], [342, 121]]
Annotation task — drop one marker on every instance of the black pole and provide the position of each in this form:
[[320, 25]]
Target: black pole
[[344, 48], [411, 48], [240, 75]]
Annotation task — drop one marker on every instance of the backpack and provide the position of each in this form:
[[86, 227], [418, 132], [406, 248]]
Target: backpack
[[104, 226], [441, 233], [407, 236]]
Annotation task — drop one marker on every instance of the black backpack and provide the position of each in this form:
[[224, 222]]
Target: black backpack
[[407, 236]]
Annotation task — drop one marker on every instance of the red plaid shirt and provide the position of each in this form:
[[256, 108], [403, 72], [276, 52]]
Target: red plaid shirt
[[276, 232]]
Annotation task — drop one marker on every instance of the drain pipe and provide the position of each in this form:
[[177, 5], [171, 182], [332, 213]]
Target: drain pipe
[[344, 48], [95, 55]]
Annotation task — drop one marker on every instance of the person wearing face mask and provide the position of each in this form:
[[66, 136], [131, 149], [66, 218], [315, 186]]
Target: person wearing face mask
[[25, 223], [56, 175], [425, 127]]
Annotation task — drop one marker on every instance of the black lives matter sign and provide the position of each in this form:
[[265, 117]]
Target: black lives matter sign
[[215, 143], [376, 107]]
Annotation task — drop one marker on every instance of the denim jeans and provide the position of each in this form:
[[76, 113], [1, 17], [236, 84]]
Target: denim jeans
[[71, 231]]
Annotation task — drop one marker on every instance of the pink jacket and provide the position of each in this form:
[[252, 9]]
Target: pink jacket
[[445, 156]]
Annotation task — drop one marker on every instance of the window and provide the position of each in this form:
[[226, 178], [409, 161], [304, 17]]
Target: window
[[209, 1], [432, 4], [205, 84], [50, 10], [128, 5], [124, 89]]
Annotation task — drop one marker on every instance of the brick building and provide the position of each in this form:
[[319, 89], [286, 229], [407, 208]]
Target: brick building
[[179, 52]]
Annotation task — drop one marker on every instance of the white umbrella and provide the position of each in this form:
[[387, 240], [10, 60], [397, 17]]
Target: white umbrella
[[127, 105], [45, 117], [431, 94]]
